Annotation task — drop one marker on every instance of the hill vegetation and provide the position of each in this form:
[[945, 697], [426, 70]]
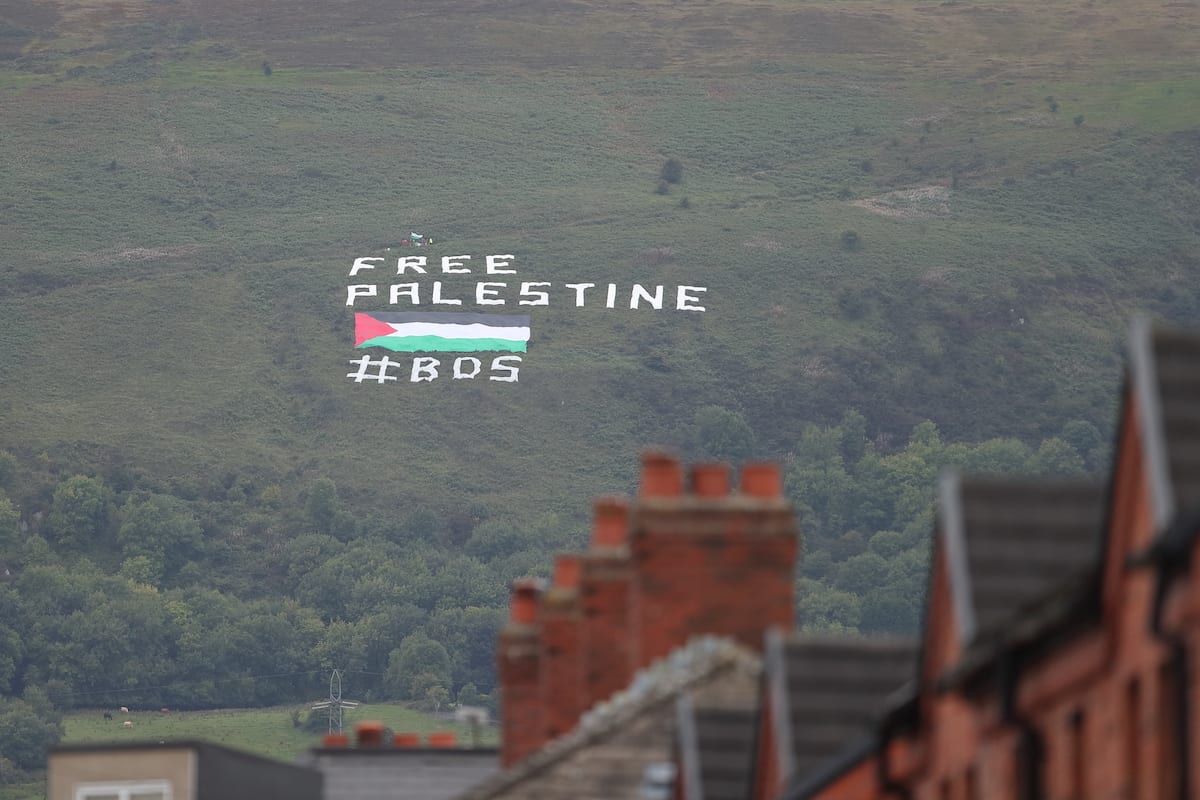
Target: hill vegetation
[[922, 228]]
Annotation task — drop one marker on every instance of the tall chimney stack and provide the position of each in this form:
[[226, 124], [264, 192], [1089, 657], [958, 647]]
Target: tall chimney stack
[[604, 589], [562, 656], [518, 659], [709, 561]]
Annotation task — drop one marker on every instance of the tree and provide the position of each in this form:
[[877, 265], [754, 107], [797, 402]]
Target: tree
[[163, 529], [27, 727], [322, 506], [854, 435], [418, 663], [79, 511], [672, 171], [821, 609], [1055, 458], [469, 695], [1087, 441], [435, 695], [10, 527], [723, 435]]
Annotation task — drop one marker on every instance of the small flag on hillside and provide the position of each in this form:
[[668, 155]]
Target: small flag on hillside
[[416, 332]]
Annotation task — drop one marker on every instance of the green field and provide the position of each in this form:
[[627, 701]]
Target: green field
[[267, 732]]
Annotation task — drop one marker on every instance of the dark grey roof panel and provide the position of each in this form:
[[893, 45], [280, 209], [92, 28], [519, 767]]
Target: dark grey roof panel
[[837, 688], [1022, 538], [1177, 365], [725, 740]]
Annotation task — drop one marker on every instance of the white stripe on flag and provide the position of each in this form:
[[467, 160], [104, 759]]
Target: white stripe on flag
[[475, 330]]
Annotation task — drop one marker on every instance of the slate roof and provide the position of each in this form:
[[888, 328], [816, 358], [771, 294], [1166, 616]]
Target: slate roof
[[1165, 371], [826, 694], [411, 774], [1010, 543], [609, 753], [717, 750]]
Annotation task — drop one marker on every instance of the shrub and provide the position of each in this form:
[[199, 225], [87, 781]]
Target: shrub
[[672, 171], [266, 68], [851, 240], [662, 188]]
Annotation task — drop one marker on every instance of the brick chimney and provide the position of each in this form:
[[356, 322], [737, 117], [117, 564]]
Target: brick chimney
[[678, 564], [518, 660], [709, 560], [561, 658], [605, 573]]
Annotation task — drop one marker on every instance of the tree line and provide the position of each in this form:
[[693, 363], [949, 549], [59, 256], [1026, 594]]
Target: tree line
[[124, 591]]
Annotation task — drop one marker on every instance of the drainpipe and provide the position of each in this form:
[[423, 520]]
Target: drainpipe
[[1031, 750], [1179, 662]]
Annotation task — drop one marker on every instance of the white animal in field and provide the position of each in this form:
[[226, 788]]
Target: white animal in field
[[124, 710], [128, 723]]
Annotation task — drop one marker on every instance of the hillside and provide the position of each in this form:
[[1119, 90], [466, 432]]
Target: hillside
[[178, 225], [921, 229]]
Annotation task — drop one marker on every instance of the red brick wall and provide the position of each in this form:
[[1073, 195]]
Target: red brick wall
[[604, 586], [518, 657], [561, 658]]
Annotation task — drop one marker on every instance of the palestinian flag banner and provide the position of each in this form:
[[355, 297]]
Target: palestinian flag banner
[[419, 332]]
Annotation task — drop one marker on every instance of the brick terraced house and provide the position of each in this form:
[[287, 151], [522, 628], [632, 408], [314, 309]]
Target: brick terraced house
[[1058, 659]]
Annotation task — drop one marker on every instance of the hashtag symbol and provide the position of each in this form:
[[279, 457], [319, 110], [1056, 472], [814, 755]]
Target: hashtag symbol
[[365, 363]]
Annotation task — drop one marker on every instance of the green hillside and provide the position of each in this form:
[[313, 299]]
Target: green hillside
[[178, 225], [922, 228]]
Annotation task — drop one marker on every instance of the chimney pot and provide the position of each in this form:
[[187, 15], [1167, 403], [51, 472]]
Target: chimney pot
[[710, 480], [370, 734], [611, 524], [762, 479], [443, 739], [662, 476], [525, 592], [335, 740], [566, 571], [407, 740]]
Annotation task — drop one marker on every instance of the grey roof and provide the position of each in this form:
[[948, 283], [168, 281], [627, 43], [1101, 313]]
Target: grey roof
[[1009, 543], [410, 774], [608, 754], [827, 692], [1165, 371], [717, 748]]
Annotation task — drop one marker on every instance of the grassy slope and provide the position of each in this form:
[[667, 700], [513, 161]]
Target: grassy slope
[[266, 731], [177, 226]]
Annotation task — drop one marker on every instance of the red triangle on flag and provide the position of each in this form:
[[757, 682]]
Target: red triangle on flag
[[367, 327]]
